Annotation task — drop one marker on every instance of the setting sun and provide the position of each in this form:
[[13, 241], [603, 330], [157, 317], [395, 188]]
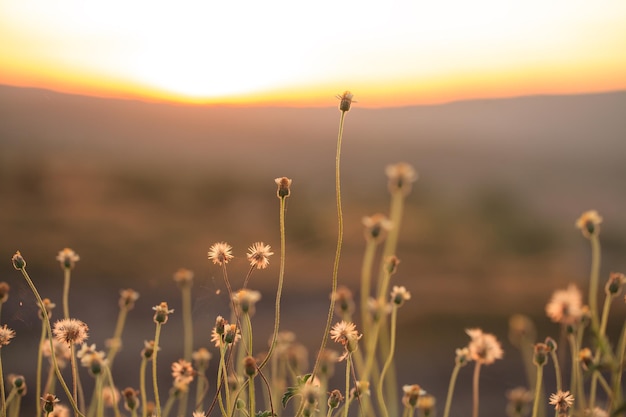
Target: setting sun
[[284, 52]]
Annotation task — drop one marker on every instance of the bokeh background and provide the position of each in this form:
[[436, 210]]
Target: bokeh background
[[140, 189]]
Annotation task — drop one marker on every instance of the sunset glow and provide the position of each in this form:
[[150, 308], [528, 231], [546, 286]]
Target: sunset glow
[[294, 53]]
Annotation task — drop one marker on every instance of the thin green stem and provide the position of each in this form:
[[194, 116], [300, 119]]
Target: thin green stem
[[142, 386], [117, 336], [366, 283], [187, 322], [605, 318], [593, 280], [155, 385], [42, 340], [475, 389], [348, 362], [451, 385], [537, 390], [379, 390], [74, 371], [66, 292], [251, 397], [199, 404], [3, 400], [331, 309], [557, 371], [576, 379]]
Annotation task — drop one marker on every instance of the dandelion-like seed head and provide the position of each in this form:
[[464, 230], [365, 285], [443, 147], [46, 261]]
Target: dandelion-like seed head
[[346, 334], [540, 356], [345, 101], [258, 255], [246, 300], [284, 187], [183, 372], [127, 299], [562, 401], [376, 227], [399, 295], [589, 223], [18, 261], [183, 277], [411, 395], [67, 258], [484, 348], [614, 284], [131, 398], [401, 176], [161, 313], [70, 331], [344, 300], [4, 292], [220, 253], [334, 399], [6, 335], [565, 306]]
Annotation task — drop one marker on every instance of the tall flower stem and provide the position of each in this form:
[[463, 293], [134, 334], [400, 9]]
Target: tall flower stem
[[155, 384], [475, 389], [46, 320], [67, 272], [142, 386], [74, 371], [42, 339], [379, 390], [331, 309], [187, 341], [348, 362], [593, 280], [366, 283], [3, 405], [451, 385], [117, 336], [537, 390]]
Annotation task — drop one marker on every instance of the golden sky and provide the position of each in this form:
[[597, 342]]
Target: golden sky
[[299, 53]]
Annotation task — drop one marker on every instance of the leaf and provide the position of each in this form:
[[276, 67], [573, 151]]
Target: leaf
[[293, 391], [264, 414]]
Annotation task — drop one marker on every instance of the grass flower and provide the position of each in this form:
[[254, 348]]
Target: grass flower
[[284, 187], [246, 300], [161, 313], [127, 299], [131, 399], [376, 227], [518, 401], [258, 255], [462, 358], [484, 349], [565, 306], [182, 371], [345, 101], [70, 331], [401, 176], [183, 277], [562, 401], [334, 399], [49, 402], [345, 333], [411, 395], [18, 261], [426, 405], [67, 258], [589, 223], [399, 295], [6, 335], [220, 253], [344, 300]]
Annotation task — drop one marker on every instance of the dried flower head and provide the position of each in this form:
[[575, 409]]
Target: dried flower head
[[426, 404], [62, 351], [128, 298], [345, 101], [18, 382], [540, 356], [245, 300], [249, 366], [49, 401], [70, 331], [399, 295], [334, 399], [183, 277], [462, 356], [401, 176], [201, 358], [18, 261], [376, 227], [225, 333], [4, 292], [48, 305], [92, 359], [361, 388], [344, 300], [411, 395], [565, 306], [148, 349], [182, 372], [284, 187], [586, 358], [131, 398], [484, 348], [110, 396], [220, 253], [297, 357], [391, 264], [562, 401], [161, 313], [346, 334], [589, 223], [6, 335], [551, 344], [258, 255], [614, 284], [378, 308], [68, 258], [519, 400]]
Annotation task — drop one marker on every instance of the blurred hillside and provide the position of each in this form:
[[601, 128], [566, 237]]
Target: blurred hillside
[[141, 189]]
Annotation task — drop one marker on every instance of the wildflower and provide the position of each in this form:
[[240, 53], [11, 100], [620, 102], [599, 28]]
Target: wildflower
[[182, 371], [220, 253], [131, 400], [589, 223], [128, 298], [614, 284], [411, 395], [399, 295], [561, 401], [334, 399], [91, 358], [426, 404], [49, 400], [201, 358], [6, 335], [346, 334], [519, 400], [148, 349], [62, 351], [249, 366], [183, 277], [68, 258], [343, 297], [345, 101], [284, 187], [310, 393], [258, 255], [540, 357], [484, 348], [70, 331], [378, 308], [110, 396], [361, 388], [224, 333], [391, 264], [161, 313], [550, 344], [462, 356], [400, 176], [376, 226], [586, 358], [565, 306], [246, 300], [48, 305], [18, 382], [18, 261], [4, 292]]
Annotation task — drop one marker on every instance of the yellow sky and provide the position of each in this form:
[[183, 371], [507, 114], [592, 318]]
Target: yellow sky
[[300, 53]]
